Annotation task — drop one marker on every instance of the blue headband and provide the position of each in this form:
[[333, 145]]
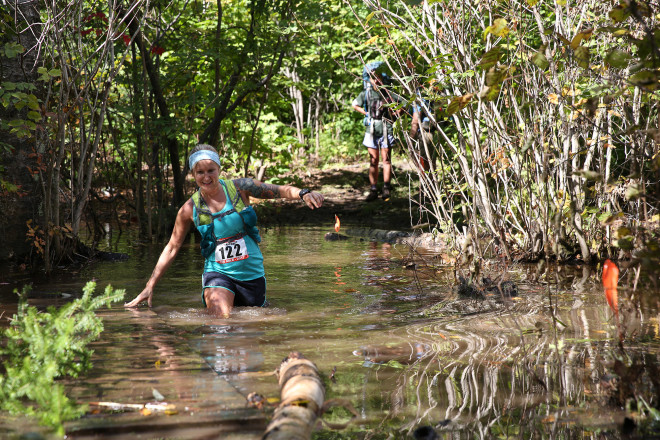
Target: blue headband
[[201, 155]]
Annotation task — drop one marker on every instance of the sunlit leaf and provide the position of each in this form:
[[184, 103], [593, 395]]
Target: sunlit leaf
[[623, 231], [13, 49], [499, 28], [618, 58], [553, 98], [371, 40], [645, 78], [493, 92], [582, 57], [490, 58], [607, 218], [458, 103], [625, 243], [619, 13], [495, 76], [580, 37], [588, 175], [633, 191], [540, 61]]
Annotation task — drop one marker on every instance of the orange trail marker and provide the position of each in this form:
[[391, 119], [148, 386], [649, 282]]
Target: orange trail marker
[[337, 223], [610, 283]]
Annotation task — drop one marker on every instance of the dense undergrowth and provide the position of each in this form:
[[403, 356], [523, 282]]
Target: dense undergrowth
[[43, 346]]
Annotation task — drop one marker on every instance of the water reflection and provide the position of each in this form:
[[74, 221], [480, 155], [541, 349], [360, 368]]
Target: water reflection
[[401, 347]]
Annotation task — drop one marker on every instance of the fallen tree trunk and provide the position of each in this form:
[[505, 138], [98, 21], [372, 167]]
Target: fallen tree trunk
[[378, 234], [301, 399]]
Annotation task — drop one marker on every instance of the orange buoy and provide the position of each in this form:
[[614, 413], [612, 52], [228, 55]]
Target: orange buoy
[[610, 283]]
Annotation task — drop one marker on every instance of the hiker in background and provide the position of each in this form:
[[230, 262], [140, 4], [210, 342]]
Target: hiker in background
[[374, 102], [233, 264], [422, 133]]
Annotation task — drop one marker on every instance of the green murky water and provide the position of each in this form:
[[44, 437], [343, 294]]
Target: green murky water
[[393, 342]]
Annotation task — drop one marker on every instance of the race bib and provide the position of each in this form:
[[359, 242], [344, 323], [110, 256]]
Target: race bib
[[230, 251]]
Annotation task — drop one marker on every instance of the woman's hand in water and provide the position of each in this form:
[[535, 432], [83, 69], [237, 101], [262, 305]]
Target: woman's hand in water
[[146, 294]]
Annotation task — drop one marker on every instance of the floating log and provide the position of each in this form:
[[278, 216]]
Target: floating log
[[301, 400], [378, 234]]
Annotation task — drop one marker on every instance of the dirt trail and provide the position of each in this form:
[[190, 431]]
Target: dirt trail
[[345, 189]]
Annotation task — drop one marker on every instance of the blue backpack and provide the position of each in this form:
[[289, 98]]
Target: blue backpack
[[367, 70]]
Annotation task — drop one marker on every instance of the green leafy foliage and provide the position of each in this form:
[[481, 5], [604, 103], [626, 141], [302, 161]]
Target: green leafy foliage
[[19, 98], [42, 346]]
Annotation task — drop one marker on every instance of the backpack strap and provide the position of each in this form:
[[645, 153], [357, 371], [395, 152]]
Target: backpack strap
[[202, 214], [234, 195]]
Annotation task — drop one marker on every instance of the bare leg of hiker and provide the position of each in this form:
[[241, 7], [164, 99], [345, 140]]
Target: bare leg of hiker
[[387, 172], [387, 164], [373, 173], [219, 301]]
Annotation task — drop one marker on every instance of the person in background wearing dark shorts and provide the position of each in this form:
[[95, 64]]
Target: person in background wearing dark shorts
[[233, 264]]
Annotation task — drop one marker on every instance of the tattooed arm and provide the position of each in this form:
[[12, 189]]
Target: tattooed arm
[[261, 190]]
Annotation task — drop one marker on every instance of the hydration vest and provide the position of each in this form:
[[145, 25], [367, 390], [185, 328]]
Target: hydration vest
[[204, 218]]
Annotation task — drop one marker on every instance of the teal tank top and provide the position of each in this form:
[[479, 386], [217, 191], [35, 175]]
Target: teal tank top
[[237, 254]]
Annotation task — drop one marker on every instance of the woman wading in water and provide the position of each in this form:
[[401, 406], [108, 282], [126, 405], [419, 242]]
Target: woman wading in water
[[233, 264]]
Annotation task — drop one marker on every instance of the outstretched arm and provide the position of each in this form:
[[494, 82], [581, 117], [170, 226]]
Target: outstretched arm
[[262, 190], [359, 109], [181, 227]]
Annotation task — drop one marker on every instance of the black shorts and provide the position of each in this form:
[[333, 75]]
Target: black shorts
[[246, 293]]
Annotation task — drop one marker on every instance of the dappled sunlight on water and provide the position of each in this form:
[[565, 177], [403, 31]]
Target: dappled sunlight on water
[[389, 335]]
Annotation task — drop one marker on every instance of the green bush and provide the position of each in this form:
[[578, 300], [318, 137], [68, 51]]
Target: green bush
[[43, 346]]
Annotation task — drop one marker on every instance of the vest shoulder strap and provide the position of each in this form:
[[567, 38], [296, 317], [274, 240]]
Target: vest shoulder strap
[[202, 215], [234, 195]]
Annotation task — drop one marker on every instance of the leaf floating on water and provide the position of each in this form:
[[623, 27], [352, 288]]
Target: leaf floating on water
[[157, 395]]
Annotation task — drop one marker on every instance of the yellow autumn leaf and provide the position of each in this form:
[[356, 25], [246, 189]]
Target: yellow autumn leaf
[[371, 40], [553, 98], [499, 27]]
